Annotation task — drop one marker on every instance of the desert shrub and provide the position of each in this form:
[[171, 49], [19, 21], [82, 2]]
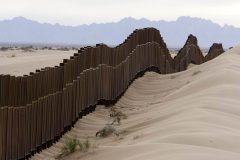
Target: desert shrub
[[47, 48], [71, 145], [27, 49], [13, 55], [115, 113], [85, 146], [106, 131], [74, 48], [116, 119], [117, 116], [4, 48], [64, 49]]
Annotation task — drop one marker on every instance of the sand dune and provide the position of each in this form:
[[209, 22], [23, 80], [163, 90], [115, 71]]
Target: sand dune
[[193, 114]]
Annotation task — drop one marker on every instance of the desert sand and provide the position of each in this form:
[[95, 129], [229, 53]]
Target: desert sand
[[18, 62], [190, 115]]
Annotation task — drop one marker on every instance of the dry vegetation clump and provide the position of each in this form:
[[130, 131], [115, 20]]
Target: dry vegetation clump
[[117, 116], [64, 49], [116, 113], [117, 120], [74, 48], [4, 48], [85, 146], [72, 145], [106, 131], [27, 49], [46, 48], [13, 55]]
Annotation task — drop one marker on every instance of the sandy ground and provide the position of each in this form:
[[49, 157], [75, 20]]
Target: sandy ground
[[17, 62], [191, 115]]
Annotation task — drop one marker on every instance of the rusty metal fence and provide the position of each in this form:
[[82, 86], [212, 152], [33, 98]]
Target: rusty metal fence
[[37, 108]]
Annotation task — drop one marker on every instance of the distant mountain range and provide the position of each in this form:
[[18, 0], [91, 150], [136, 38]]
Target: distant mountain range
[[22, 30]]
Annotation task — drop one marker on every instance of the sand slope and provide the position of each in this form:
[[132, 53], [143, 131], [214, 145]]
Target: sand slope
[[193, 114]]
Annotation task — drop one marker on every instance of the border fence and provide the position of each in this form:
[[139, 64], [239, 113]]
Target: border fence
[[38, 108]]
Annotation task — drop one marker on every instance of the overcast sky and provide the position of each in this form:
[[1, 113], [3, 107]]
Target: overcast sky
[[76, 12]]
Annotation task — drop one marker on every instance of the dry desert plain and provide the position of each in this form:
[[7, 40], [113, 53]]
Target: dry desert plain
[[18, 62]]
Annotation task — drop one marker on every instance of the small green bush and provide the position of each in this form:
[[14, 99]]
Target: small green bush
[[85, 146], [71, 145]]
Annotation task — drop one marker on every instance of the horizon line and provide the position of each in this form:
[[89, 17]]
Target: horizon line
[[117, 21]]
